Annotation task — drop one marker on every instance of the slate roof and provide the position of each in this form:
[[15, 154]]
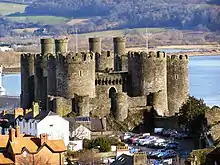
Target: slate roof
[[123, 160], [92, 124], [42, 115]]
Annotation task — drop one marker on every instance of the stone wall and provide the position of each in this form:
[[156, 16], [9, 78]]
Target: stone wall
[[104, 61]]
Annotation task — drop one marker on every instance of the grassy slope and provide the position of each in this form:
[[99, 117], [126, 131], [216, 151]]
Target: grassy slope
[[39, 19], [9, 8]]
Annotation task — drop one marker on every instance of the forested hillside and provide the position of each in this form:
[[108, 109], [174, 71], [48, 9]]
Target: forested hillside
[[111, 14]]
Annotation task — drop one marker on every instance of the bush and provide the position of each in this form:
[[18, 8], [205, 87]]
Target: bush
[[103, 143]]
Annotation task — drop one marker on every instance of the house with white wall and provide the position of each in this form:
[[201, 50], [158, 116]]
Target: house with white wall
[[38, 122], [82, 127]]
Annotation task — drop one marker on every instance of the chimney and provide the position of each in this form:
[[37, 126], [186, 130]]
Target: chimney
[[139, 158], [4, 112], [43, 138], [35, 109], [17, 131], [12, 135], [18, 112]]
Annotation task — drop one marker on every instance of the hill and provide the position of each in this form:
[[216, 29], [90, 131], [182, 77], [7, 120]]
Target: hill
[[117, 14]]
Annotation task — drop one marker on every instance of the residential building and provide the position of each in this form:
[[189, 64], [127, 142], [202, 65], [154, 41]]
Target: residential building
[[83, 127], [75, 145], [37, 122], [20, 149]]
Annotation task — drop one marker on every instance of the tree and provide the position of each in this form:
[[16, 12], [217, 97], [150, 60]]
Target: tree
[[88, 157], [192, 113]]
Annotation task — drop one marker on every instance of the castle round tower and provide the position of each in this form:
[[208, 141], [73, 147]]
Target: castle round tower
[[47, 45], [61, 45], [95, 45], [121, 112], [154, 78], [27, 80], [177, 80], [104, 61], [135, 74], [76, 75], [119, 50]]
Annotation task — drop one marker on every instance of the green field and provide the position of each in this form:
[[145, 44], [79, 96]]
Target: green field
[[39, 19], [9, 8], [123, 31]]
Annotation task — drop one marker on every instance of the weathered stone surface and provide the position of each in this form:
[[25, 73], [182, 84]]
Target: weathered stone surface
[[91, 84], [177, 82]]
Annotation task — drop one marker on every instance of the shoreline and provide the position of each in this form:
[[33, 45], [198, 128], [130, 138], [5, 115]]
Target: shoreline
[[209, 51]]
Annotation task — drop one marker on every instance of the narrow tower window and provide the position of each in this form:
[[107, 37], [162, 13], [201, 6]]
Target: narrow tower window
[[80, 73], [176, 76]]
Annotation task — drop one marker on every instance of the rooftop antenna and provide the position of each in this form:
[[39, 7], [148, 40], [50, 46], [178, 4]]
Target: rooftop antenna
[[76, 40], [146, 35]]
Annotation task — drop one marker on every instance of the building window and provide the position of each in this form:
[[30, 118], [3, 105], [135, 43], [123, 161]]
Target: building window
[[30, 125], [36, 125], [24, 154], [23, 124]]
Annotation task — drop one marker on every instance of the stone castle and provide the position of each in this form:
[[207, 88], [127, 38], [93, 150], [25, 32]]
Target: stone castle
[[99, 83]]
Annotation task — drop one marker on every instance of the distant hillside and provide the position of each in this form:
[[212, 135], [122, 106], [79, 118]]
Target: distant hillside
[[135, 13], [116, 14]]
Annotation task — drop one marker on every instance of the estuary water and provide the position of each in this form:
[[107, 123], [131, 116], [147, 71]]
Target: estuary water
[[204, 79]]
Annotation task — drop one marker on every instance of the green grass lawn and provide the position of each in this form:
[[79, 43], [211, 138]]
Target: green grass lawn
[[9, 8], [122, 32], [39, 19]]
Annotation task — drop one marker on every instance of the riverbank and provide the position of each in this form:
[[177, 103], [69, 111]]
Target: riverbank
[[11, 70]]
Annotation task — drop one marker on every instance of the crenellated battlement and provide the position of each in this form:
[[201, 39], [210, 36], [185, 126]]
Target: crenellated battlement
[[76, 57], [178, 57], [104, 54], [151, 54], [134, 55], [154, 55], [27, 57]]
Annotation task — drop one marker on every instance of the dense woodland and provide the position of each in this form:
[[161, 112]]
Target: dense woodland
[[114, 14]]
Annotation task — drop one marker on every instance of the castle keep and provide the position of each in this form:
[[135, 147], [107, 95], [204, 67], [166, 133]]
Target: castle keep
[[100, 83]]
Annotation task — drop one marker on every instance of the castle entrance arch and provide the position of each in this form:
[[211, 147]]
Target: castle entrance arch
[[112, 96]]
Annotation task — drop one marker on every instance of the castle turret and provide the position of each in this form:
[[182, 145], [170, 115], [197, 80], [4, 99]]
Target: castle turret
[[177, 82], [27, 80], [41, 80], [47, 45], [154, 78], [76, 75], [135, 74], [104, 61], [119, 50], [61, 45], [95, 45], [121, 106], [51, 75]]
